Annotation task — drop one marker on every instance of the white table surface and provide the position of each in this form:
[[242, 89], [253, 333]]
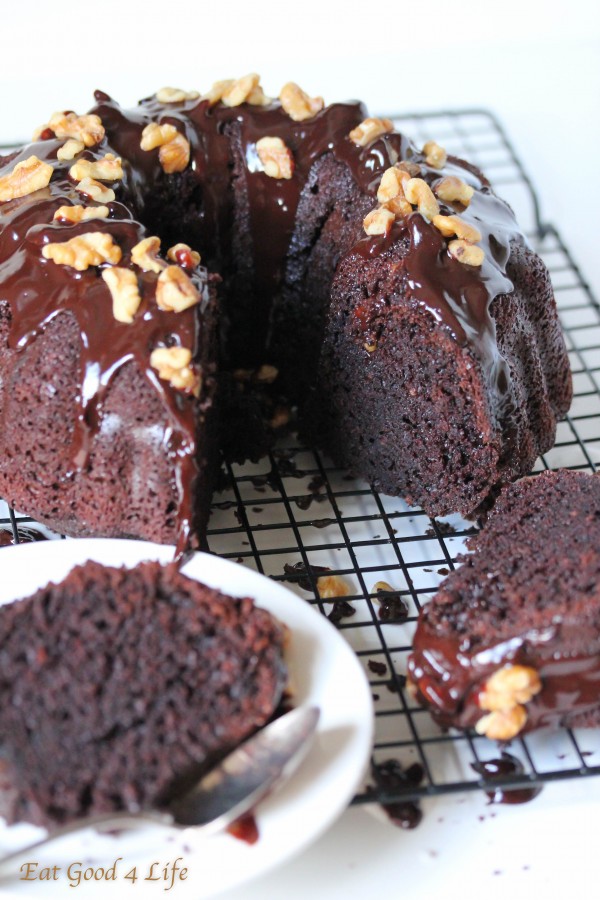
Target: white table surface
[[534, 64]]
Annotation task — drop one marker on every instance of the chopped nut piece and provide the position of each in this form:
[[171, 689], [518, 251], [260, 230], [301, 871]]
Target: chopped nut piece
[[452, 189], [257, 97], [369, 130], [84, 250], [378, 221], [174, 156], [155, 135], [27, 176], [466, 253], [435, 156], [413, 169], [184, 256], [174, 290], [174, 153], [450, 225], [399, 206], [175, 95], [95, 190], [74, 214], [88, 129], [297, 104], [370, 348], [329, 587], [125, 293], [280, 417], [502, 725], [510, 686], [70, 149], [391, 184], [241, 89], [267, 374], [217, 90], [382, 586], [420, 195], [145, 255], [276, 157], [108, 168], [173, 365], [411, 689]]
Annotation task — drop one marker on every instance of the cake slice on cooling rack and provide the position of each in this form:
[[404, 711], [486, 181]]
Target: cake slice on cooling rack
[[511, 640], [119, 687]]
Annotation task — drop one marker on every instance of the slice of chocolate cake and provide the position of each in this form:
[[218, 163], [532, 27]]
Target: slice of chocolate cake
[[511, 641], [120, 687]]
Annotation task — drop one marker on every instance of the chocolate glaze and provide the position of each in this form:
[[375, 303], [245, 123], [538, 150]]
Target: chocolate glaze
[[504, 767], [37, 290], [450, 676]]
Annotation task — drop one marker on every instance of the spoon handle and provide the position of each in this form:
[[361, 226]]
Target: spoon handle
[[103, 823]]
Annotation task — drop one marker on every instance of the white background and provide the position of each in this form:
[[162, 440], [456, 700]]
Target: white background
[[534, 64]]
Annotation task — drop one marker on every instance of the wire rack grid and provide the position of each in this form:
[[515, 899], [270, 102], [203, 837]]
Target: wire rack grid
[[295, 509]]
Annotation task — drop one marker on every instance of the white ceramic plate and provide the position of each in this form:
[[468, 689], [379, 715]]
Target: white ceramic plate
[[324, 671]]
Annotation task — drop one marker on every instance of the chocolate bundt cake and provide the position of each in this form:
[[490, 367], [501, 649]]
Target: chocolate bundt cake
[[389, 287], [511, 641], [119, 687]]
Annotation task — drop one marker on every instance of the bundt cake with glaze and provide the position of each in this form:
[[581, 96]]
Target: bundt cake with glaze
[[389, 287], [511, 640], [122, 687]]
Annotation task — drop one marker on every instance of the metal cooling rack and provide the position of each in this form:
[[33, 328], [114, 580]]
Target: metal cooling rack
[[294, 507]]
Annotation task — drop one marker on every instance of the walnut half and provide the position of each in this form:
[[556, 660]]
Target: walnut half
[[84, 250], [504, 695], [173, 364], [27, 176]]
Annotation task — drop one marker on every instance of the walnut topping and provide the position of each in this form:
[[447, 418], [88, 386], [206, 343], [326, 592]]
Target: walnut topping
[[88, 129], [145, 255], [379, 221], [174, 156], [510, 686], [452, 189], [502, 725], [391, 183], [276, 157], [174, 153], [454, 225], [96, 191], [504, 694], [71, 215], [266, 374], [184, 256], [241, 90], [175, 95], [125, 293], [413, 169], [173, 365], [382, 586], [108, 168], [298, 105], [369, 130], [466, 253], [27, 176], [435, 156], [217, 90], [175, 291], [329, 587], [70, 149], [155, 135], [418, 192], [84, 250]]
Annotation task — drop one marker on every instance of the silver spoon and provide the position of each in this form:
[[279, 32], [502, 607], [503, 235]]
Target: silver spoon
[[228, 791]]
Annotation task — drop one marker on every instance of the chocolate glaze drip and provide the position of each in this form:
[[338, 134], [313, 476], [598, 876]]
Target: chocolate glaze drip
[[451, 678], [37, 290], [505, 767]]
